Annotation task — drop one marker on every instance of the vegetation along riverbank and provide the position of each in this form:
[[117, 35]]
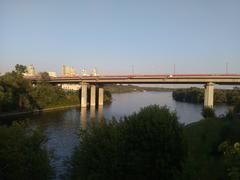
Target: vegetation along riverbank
[[196, 95], [17, 94], [150, 144], [132, 88]]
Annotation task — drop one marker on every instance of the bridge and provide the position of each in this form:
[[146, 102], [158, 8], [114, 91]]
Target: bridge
[[96, 83]]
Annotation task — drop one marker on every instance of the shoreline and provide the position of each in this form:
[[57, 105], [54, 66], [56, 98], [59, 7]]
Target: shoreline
[[37, 111], [144, 90]]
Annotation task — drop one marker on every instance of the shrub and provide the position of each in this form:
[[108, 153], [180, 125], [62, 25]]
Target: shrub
[[208, 112], [231, 155], [22, 154], [145, 145], [237, 109]]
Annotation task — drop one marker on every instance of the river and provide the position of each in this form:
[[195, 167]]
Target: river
[[62, 127]]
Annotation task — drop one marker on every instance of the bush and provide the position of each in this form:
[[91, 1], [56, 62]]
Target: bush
[[237, 109], [203, 139], [22, 155], [107, 97], [231, 155], [208, 112], [145, 145]]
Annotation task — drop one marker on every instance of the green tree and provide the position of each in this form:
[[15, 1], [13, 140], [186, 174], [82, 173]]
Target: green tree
[[107, 96], [20, 69], [237, 108], [203, 138], [231, 155], [208, 112], [44, 76], [23, 154], [196, 95], [145, 145], [15, 92], [18, 94]]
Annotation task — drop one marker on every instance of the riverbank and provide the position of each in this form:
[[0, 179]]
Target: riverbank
[[61, 127], [196, 95], [12, 114], [107, 100], [131, 88]]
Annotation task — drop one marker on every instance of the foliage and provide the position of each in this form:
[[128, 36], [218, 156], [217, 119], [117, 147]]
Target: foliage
[[203, 139], [23, 154], [44, 77], [189, 95], [237, 108], [20, 69], [18, 94], [208, 112], [131, 88], [146, 145], [107, 96], [196, 95], [15, 93], [231, 158]]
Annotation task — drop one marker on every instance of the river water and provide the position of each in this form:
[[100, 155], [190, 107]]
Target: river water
[[62, 127]]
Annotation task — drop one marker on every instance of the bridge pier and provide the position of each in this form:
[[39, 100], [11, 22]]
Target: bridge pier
[[100, 96], [84, 95], [93, 95], [209, 95]]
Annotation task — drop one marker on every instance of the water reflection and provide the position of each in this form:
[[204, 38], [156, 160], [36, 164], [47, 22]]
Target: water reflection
[[92, 116], [62, 127], [100, 115], [83, 118]]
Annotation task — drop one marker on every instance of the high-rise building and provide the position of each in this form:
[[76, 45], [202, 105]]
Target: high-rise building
[[30, 71], [68, 71], [94, 72], [52, 74], [84, 72]]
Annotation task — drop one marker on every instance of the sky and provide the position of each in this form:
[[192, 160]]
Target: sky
[[121, 36]]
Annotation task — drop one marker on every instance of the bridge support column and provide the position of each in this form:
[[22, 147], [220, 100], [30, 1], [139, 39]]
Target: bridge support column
[[93, 95], [84, 95], [209, 95], [100, 96]]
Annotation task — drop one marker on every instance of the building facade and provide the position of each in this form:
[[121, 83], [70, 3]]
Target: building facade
[[68, 71], [30, 71]]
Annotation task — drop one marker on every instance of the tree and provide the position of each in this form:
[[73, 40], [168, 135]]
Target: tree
[[145, 145], [237, 108], [20, 69], [23, 154], [231, 155], [208, 112], [44, 77], [15, 92], [107, 96]]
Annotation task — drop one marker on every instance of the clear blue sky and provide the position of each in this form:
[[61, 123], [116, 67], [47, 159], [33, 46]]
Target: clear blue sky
[[199, 36]]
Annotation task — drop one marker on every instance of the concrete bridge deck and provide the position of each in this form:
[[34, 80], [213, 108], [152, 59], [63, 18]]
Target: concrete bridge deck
[[223, 79], [97, 94]]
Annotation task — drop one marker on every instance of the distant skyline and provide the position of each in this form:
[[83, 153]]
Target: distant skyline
[[198, 36]]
